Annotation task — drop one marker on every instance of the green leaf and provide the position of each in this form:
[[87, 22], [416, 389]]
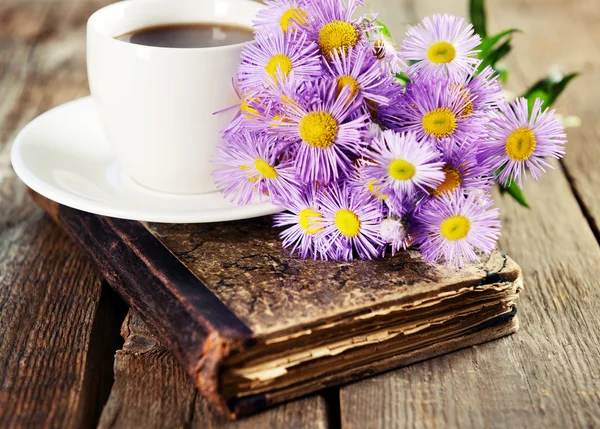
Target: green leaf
[[384, 29], [548, 89], [478, 17], [503, 73], [487, 44], [497, 54], [402, 78], [514, 191]]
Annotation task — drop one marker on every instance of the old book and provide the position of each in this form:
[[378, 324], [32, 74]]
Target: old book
[[254, 326]]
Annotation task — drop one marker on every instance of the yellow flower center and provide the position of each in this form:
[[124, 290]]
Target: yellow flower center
[[348, 223], [309, 221], [374, 188], [451, 182], [318, 129], [291, 17], [246, 106], [455, 227], [337, 35], [441, 53], [402, 170], [439, 122], [279, 65], [350, 82], [520, 144], [265, 169]]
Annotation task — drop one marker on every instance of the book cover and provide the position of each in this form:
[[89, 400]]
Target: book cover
[[254, 326]]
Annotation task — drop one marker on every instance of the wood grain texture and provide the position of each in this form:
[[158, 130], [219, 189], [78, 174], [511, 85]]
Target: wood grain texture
[[574, 45], [198, 329], [548, 375], [49, 293], [151, 390], [55, 321]]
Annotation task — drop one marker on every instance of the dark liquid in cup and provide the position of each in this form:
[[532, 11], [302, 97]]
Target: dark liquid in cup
[[197, 35]]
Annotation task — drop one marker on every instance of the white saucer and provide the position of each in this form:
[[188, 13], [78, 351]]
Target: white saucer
[[64, 156]]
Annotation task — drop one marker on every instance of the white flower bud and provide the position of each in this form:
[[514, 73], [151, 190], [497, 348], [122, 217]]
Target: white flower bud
[[392, 231]]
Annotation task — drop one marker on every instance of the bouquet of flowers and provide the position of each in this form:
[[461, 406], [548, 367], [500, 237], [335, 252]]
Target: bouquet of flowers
[[370, 149]]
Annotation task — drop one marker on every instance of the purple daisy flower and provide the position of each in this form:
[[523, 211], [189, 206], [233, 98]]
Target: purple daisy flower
[[304, 224], [282, 16], [361, 181], [255, 112], [452, 227], [269, 106], [519, 141], [254, 105], [361, 73], [462, 168], [333, 28], [249, 112], [363, 163], [402, 164], [391, 114], [435, 110], [482, 92], [250, 165], [327, 132], [442, 47], [276, 58], [351, 222]]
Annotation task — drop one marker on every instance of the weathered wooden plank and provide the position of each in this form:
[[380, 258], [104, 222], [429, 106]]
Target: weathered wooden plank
[[573, 44], [547, 375], [55, 330], [152, 390], [56, 326], [150, 387]]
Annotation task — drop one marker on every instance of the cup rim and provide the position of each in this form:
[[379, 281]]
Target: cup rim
[[97, 15]]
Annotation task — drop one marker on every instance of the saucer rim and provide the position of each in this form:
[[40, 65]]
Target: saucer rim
[[47, 190]]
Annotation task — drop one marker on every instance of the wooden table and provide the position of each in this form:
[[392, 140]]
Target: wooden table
[[60, 325]]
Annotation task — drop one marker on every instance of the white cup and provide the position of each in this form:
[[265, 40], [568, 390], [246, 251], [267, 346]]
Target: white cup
[[156, 104]]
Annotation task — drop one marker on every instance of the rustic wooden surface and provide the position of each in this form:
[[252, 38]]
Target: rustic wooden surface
[[548, 375], [151, 390], [59, 325], [57, 331]]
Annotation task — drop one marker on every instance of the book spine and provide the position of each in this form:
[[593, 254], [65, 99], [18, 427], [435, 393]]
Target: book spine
[[187, 317]]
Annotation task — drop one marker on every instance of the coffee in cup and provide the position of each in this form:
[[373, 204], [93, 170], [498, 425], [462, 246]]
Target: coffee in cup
[[156, 103]]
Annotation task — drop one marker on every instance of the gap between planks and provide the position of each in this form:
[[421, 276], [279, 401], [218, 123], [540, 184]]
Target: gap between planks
[[59, 328], [151, 390]]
